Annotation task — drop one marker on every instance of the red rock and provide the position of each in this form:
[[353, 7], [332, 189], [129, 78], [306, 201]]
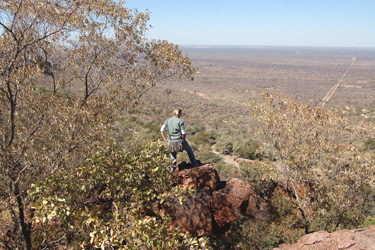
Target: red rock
[[230, 202], [214, 204], [203, 177], [194, 215], [356, 239]]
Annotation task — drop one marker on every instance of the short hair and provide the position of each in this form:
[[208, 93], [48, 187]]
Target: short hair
[[177, 111]]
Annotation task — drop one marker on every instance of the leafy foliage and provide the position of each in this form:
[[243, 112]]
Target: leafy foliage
[[321, 157], [111, 201], [240, 143], [67, 71]]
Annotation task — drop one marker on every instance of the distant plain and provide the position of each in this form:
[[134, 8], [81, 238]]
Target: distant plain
[[231, 76]]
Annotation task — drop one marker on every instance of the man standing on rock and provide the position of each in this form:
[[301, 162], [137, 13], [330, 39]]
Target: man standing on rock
[[177, 133]]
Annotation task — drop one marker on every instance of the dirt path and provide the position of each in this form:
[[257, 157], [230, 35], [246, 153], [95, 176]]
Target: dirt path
[[333, 89], [231, 159]]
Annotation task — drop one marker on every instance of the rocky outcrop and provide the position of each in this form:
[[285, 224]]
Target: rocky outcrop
[[203, 177], [356, 239], [194, 214], [214, 204], [229, 203]]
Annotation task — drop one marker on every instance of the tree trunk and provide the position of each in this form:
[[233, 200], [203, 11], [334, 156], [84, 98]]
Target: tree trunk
[[25, 226]]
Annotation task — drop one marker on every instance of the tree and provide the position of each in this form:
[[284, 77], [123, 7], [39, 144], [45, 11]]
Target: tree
[[67, 70], [322, 159]]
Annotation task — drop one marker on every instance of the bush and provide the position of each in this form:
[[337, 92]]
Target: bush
[[249, 151], [206, 156], [285, 226], [226, 171], [370, 144], [238, 144], [195, 128], [369, 222], [325, 150], [257, 170], [104, 203], [201, 138]]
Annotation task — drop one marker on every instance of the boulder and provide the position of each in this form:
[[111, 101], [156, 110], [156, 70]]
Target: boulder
[[356, 239], [194, 214], [229, 203], [202, 177], [214, 204]]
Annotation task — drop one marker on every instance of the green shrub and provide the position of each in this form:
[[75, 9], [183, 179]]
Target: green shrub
[[370, 144], [249, 151], [369, 222], [285, 226], [206, 156], [104, 202], [195, 128], [201, 138], [226, 171]]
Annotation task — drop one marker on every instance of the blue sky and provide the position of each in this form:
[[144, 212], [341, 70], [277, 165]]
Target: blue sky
[[341, 23]]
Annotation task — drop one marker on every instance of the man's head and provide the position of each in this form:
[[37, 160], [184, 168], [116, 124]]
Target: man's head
[[177, 112]]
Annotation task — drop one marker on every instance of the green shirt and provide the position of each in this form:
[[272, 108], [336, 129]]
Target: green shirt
[[176, 127]]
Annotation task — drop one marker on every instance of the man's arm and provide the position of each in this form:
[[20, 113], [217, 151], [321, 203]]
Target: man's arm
[[162, 132], [183, 131], [163, 135]]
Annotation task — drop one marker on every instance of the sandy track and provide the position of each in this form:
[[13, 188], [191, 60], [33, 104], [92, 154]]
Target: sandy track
[[333, 89], [231, 159]]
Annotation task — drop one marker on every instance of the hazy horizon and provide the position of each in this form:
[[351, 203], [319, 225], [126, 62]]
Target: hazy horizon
[[250, 46], [334, 23]]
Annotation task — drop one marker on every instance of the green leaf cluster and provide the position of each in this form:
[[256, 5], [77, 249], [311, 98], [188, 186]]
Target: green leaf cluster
[[323, 158], [114, 200]]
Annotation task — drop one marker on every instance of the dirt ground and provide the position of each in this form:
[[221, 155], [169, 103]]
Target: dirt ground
[[232, 159], [304, 74]]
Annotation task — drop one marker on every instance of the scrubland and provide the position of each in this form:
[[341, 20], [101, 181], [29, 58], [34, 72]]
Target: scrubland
[[216, 103], [287, 132], [81, 158]]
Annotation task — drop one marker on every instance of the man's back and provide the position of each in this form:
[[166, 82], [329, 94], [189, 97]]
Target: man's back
[[176, 131], [176, 127]]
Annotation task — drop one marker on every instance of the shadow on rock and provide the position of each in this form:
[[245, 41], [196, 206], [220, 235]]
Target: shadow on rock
[[214, 205]]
